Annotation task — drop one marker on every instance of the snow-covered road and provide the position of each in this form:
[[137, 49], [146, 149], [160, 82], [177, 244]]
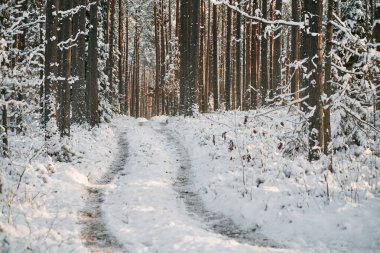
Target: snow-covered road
[[152, 208]]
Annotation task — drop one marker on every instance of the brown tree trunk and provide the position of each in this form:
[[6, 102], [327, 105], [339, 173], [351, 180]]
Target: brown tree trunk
[[137, 74], [227, 78], [208, 68], [111, 59], [65, 70], [327, 86], [121, 59], [296, 41], [264, 55], [156, 107], [92, 68], [51, 74], [277, 50], [214, 80], [314, 12], [126, 61], [271, 53], [255, 62], [79, 64], [238, 59], [248, 62], [203, 58], [162, 57]]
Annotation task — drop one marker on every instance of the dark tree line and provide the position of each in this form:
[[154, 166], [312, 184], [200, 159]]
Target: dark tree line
[[92, 58]]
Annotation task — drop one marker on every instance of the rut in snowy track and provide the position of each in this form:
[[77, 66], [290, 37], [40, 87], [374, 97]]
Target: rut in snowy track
[[215, 222], [94, 232]]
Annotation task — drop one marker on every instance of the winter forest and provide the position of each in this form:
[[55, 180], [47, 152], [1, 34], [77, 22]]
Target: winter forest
[[189, 126]]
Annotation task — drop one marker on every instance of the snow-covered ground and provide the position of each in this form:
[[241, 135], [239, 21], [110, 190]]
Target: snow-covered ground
[[42, 214], [184, 179], [145, 212], [283, 194]]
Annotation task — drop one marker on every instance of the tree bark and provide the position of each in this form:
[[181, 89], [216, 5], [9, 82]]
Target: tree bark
[[156, 107], [51, 74], [111, 50], [79, 64], [184, 54], [327, 87], [227, 78], [277, 49], [255, 61], [65, 69], [92, 68], [264, 55], [295, 56], [314, 12], [215, 83], [121, 59], [238, 60]]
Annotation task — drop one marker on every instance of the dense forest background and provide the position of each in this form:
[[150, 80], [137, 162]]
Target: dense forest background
[[79, 62]]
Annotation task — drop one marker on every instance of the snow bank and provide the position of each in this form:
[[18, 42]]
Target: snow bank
[[40, 213]]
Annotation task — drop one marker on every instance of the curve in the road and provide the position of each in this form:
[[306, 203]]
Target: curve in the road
[[94, 232], [214, 221]]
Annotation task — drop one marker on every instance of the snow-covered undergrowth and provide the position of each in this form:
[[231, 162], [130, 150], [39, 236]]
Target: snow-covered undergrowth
[[253, 167], [41, 197]]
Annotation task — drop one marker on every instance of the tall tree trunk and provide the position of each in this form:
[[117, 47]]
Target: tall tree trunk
[[163, 56], [214, 80], [184, 53], [197, 55], [51, 74], [255, 62], [190, 98], [327, 87], [92, 69], [296, 41], [208, 54], [65, 69], [248, 62], [156, 107], [202, 58], [238, 59], [126, 60], [137, 73], [79, 64], [227, 78], [264, 55], [111, 58], [109, 18], [271, 53], [314, 12], [121, 59], [277, 49]]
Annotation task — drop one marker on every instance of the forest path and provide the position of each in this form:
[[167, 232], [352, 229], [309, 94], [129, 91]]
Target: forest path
[[154, 208], [216, 222], [94, 232]]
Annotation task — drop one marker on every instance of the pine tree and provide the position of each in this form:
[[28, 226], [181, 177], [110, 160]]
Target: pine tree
[[92, 67]]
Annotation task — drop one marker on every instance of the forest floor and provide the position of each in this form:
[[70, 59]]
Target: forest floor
[[224, 182]]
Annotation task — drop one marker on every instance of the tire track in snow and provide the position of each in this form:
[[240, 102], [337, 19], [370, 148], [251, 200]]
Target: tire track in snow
[[94, 232], [215, 222]]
